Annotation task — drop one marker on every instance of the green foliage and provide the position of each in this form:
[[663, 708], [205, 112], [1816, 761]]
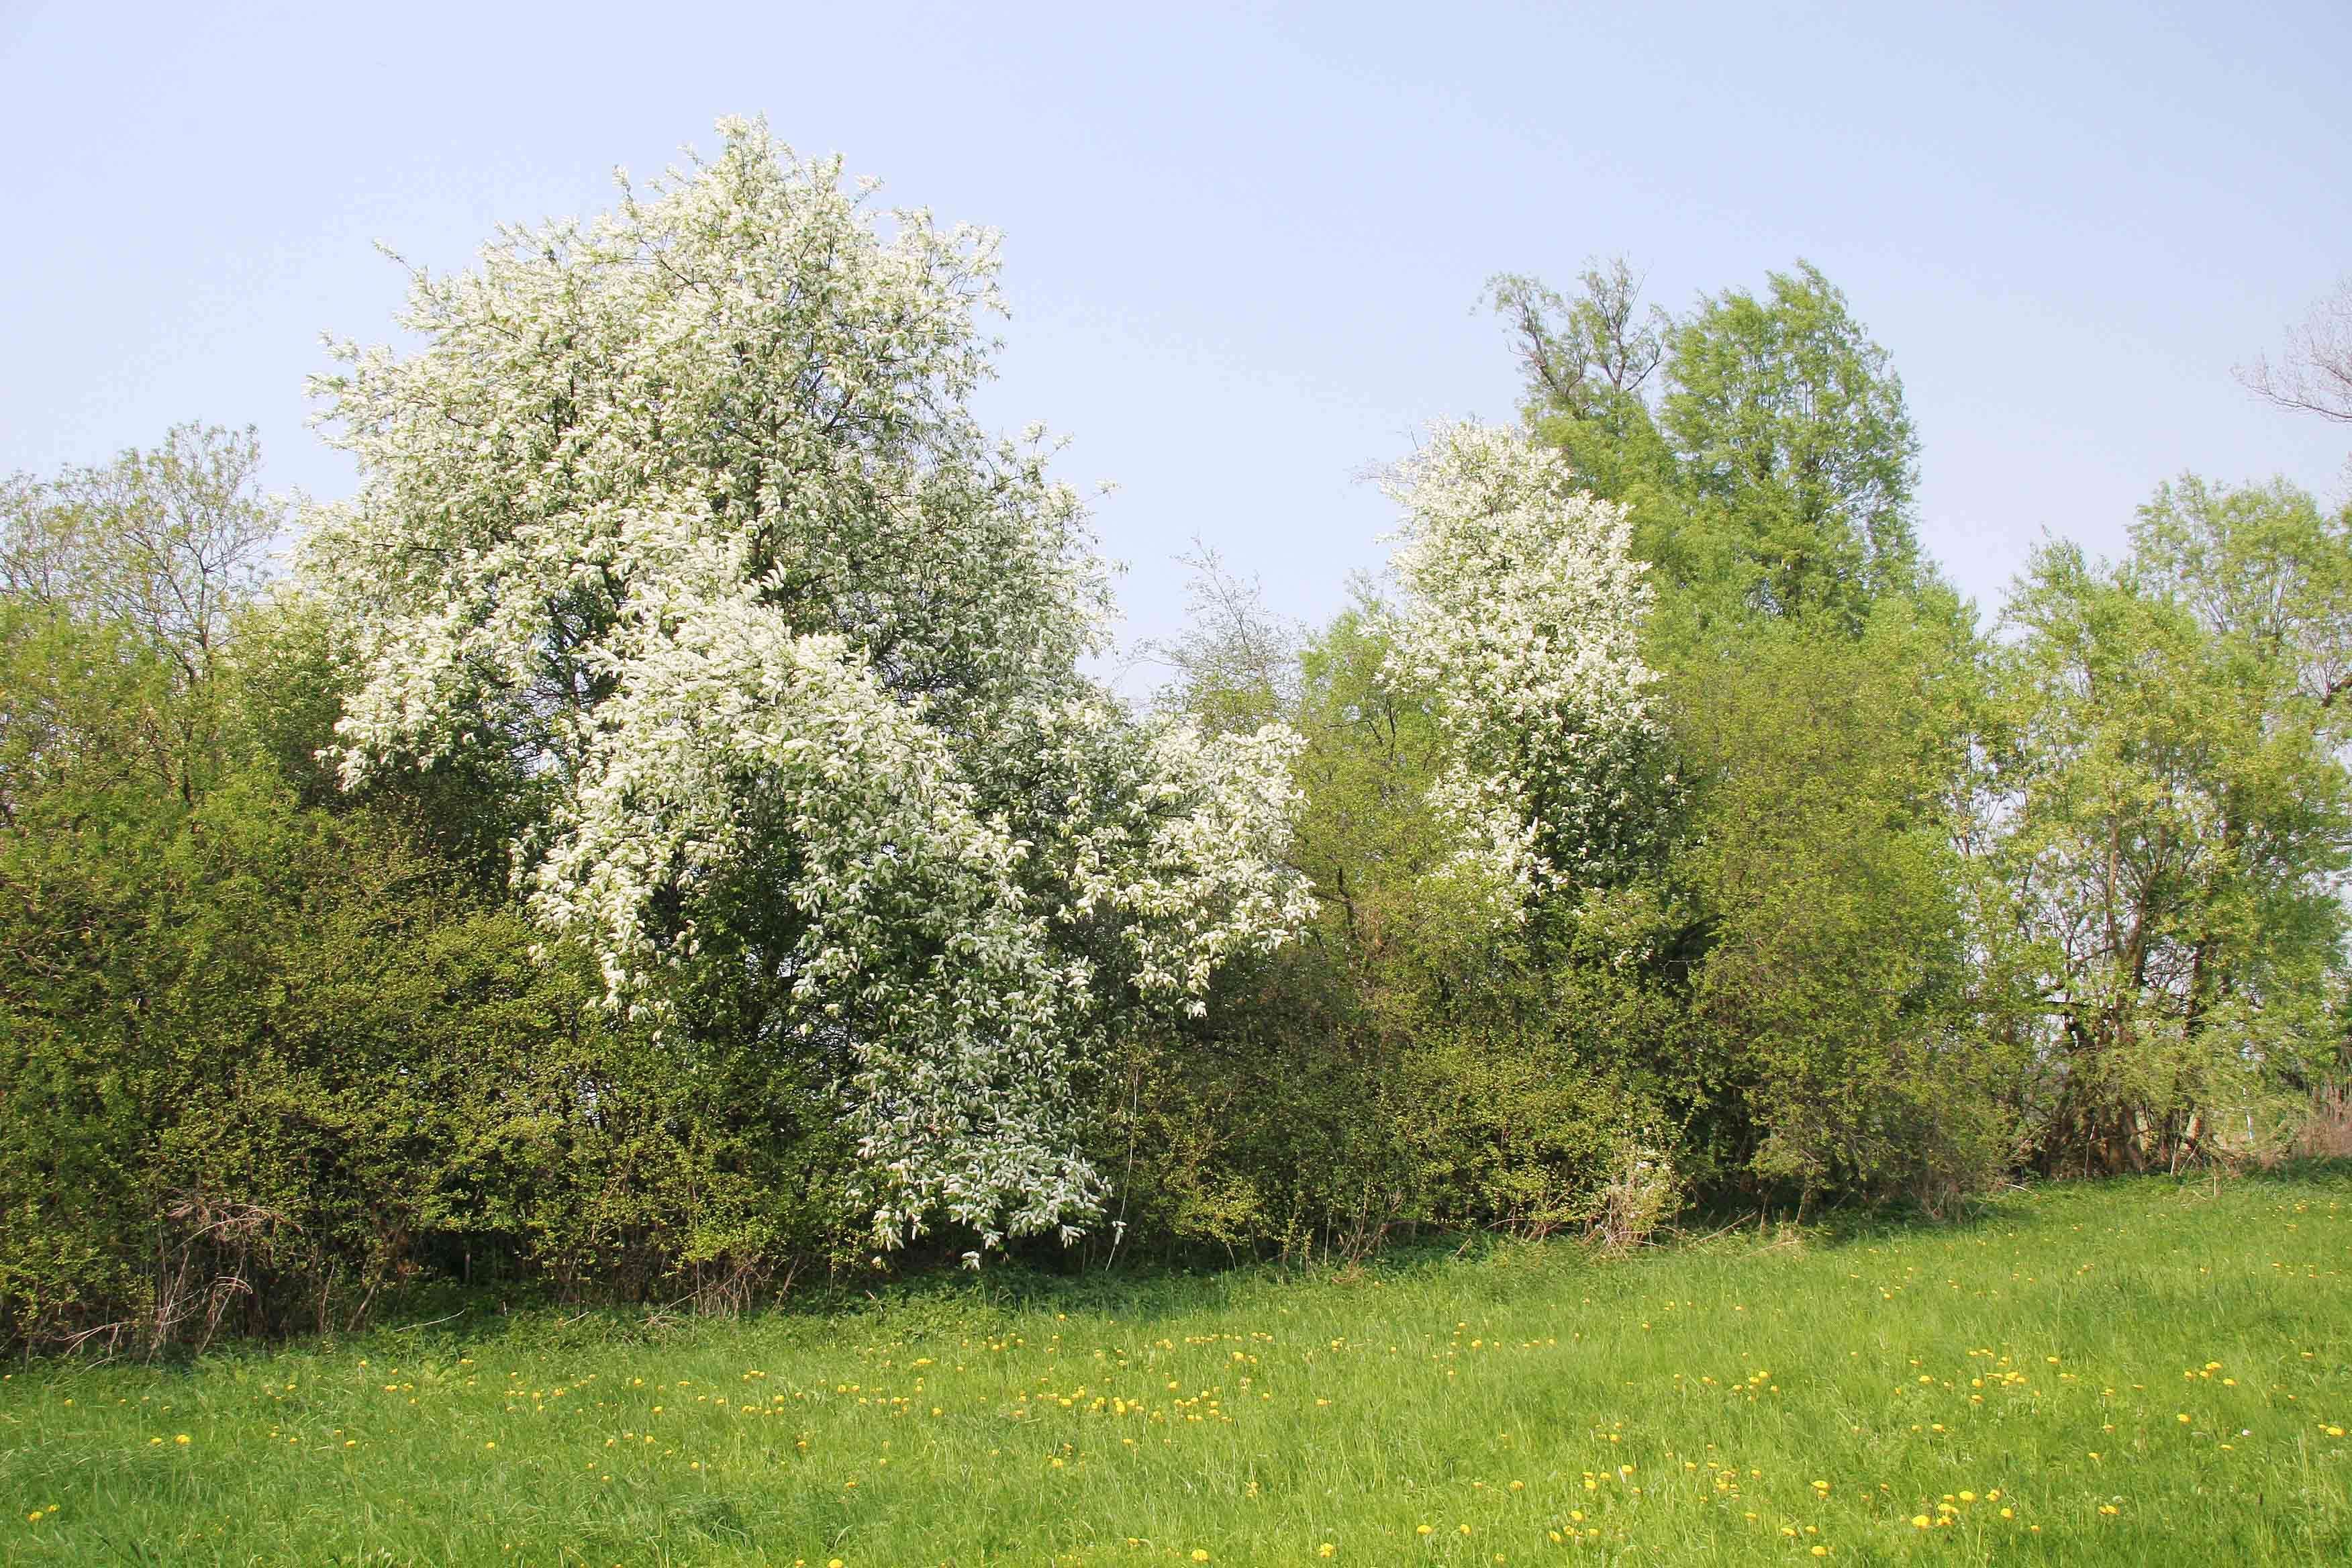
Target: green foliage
[[263, 1063], [1347, 1099], [2071, 896], [1812, 938], [1411, 1065], [1797, 454], [1771, 471], [267, 1053], [1235, 667], [2168, 750], [1834, 1001], [1367, 835], [1589, 362]]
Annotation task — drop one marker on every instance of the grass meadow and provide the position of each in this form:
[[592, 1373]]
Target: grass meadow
[[2131, 1373]]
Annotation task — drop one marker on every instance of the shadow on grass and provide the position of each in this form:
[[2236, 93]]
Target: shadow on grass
[[1016, 1295]]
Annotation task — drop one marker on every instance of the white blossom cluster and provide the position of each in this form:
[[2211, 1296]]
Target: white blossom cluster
[[1175, 838], [1521, 617], [682, 509]]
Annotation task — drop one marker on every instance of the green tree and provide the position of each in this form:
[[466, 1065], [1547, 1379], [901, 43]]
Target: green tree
[[1763, 445], [1835, 1001], [1233, 668], [1367, 835], [1795, 450], [1590, 364], [2178, 818], [161, 547]]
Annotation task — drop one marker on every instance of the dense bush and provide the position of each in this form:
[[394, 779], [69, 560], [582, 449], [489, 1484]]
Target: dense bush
[[267, 1050]]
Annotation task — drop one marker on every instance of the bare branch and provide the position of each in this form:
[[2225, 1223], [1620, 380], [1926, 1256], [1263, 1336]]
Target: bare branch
[[1571, 348], [2314, 375]]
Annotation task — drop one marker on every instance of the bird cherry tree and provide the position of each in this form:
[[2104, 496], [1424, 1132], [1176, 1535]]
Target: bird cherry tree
[[681, 509], [1520, 616]]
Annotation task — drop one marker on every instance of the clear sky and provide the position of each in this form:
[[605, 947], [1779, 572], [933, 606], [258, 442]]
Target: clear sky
[[1243, 244]]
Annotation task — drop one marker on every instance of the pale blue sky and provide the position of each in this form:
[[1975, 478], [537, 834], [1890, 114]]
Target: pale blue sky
[[1243, 243]]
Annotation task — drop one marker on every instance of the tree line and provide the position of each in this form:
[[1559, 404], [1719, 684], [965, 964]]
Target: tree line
[[659, 839]]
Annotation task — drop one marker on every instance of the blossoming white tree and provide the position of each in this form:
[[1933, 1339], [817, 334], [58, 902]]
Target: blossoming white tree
[[1521, 617], [682, 509]]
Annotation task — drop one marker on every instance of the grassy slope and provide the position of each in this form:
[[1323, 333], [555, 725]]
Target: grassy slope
[[2181, 1355]]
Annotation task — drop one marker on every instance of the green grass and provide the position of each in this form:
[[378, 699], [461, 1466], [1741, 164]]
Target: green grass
[[2129, 1373]]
